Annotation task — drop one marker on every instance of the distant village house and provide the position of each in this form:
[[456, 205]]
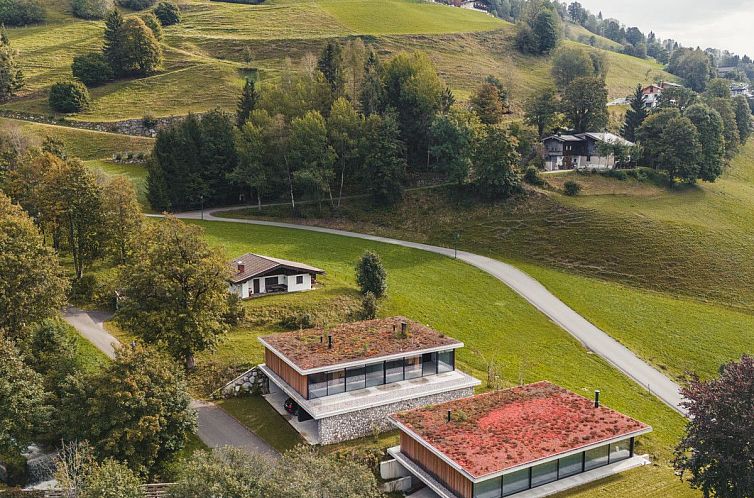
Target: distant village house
[[254, 275], [582, 151]]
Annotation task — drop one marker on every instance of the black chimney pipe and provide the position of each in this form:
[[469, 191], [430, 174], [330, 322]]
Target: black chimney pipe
[[597, 398], [329, 341], [449, 414], [404, 328]]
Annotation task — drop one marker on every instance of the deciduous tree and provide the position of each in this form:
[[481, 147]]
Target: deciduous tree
[[344, 131], [494, 163], [709, 124], [487, 105], [176, 290], [168, 13], [570, 62], [541, 109], [453, 138], [372, 92], [585, 104], [32, 283], [121, 216], [11, 75], [743, 117], [111, 479], [310, 156], [135, 411], [384, 159], [717, 450]]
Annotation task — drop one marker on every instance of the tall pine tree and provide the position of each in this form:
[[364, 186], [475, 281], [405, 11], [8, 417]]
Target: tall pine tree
[[330, 64], [11, 76], [247, 102], [112, 48], [635, 116], [372, 91]]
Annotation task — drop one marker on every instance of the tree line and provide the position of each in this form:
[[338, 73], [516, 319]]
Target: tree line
[[343, 122]]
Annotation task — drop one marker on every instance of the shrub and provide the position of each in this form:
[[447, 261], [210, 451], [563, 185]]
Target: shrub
[[571, 188], [153, 23], [15, 467], [69, 96], [82, 289], [21, 12], [618, 174], [302, 320], [92, 69], [91, 9], [531, 176], [168, 13], [371, 275], [111, 479], [136, 4], [236, 311]]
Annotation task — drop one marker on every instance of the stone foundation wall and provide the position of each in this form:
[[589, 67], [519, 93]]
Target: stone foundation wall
[[135, 127], [365, 422], [250, 383]]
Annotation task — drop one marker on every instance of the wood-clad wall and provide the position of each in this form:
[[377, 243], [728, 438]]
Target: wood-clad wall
[[447, 475], [287, 373]]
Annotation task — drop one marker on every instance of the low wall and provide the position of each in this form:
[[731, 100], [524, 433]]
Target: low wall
[[249, 383], [362, 423]]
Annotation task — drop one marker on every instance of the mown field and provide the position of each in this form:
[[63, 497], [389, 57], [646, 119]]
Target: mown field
[[217, 44]]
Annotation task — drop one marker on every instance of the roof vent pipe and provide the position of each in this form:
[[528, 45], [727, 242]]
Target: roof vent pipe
[[597, 398], [329, 341], [449, 415], [404, 328]]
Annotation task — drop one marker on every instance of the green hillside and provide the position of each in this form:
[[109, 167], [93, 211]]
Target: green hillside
[[207, 54]]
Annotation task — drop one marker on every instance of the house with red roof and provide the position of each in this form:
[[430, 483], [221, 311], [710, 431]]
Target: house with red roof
[[528, 441], [341, 383], [253, 275]]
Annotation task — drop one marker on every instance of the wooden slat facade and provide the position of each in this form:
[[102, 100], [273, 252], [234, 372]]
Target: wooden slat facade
[[287, 373], [434, 465]]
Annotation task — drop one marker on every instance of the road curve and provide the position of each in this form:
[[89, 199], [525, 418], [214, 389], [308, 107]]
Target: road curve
[[530, 289], [215, 427]]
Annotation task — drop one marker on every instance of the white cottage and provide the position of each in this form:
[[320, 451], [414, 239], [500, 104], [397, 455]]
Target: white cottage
[[255, 275]]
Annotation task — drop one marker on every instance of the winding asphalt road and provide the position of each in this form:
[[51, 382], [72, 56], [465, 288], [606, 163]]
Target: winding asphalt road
[[590, 336], [215, 427]]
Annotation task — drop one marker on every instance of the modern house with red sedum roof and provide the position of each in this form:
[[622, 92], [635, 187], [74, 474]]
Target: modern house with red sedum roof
[[342, 383], [532, 440]]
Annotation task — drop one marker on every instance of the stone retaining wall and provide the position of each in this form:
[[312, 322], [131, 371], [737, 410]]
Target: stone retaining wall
[[368, 421], [250, 383]]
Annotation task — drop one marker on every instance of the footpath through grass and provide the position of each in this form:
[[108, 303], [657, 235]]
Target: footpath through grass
[[494, 323]]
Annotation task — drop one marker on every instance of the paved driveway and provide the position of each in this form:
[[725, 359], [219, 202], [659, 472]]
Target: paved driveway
[[216, 427], [530, 289]]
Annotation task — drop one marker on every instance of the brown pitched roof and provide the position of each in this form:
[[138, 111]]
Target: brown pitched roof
[[255, 265], [354, 342], [492, 432]]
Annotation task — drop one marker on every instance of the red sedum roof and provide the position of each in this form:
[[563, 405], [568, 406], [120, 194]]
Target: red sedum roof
[[356, 341], [499, 430]]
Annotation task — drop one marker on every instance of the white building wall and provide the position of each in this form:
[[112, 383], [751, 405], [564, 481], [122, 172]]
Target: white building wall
[[294, 287]]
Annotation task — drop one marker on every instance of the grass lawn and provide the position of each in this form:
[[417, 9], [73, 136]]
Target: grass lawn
[[84, 144], [473, 307], [137, 173], [256, 414]]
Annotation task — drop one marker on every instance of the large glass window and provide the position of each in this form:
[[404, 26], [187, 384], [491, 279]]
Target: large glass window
[[596, 457], [446, 361], [544, 473], [620, 451], [429, 364], [317, 385], [571, 465], [413, 367], [375, 374], [393, 371], [355, 379], [491, 488], [515, 482], [336, 382]]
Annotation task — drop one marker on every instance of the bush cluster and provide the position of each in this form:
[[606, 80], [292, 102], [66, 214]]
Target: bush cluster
[[92, 69], [21, 12], [91, 9], [136, 4], [168, 13], [69, 96], [571, 188]]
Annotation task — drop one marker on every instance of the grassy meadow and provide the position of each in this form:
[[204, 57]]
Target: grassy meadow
[[217, 44]]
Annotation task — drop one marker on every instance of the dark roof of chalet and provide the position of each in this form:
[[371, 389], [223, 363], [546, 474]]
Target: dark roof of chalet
[[255, 265], [600, 137], [564, 138], [356, 342]]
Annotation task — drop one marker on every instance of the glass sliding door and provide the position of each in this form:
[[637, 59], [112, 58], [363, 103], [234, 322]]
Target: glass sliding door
[[412, 367], [571, 465], [544, 473], [596, 457], [393, 371], [336, 382], [375, 374], [317, 385], [429, 364], [446, 361], [355, 379], [515, 482], [620, 451], [491, 488]]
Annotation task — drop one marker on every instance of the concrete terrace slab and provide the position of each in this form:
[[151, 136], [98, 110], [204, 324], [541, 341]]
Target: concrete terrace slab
[[371, 397]]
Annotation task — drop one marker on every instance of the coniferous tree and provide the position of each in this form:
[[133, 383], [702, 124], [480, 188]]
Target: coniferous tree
[[384, 159], [11, 76], [330, 63], [635, 115], [113, 36], [372, 91], [247, 102], [371, 275]]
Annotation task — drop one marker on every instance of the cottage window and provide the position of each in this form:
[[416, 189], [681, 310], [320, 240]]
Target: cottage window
[[515, 482], [446, 361], [355, 379], [412, 367], [393, 371], [571, 465], [317, 385], [299, 279], [491, 488], [375, 374], [596, 457], [544, 473], [336, 382]]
